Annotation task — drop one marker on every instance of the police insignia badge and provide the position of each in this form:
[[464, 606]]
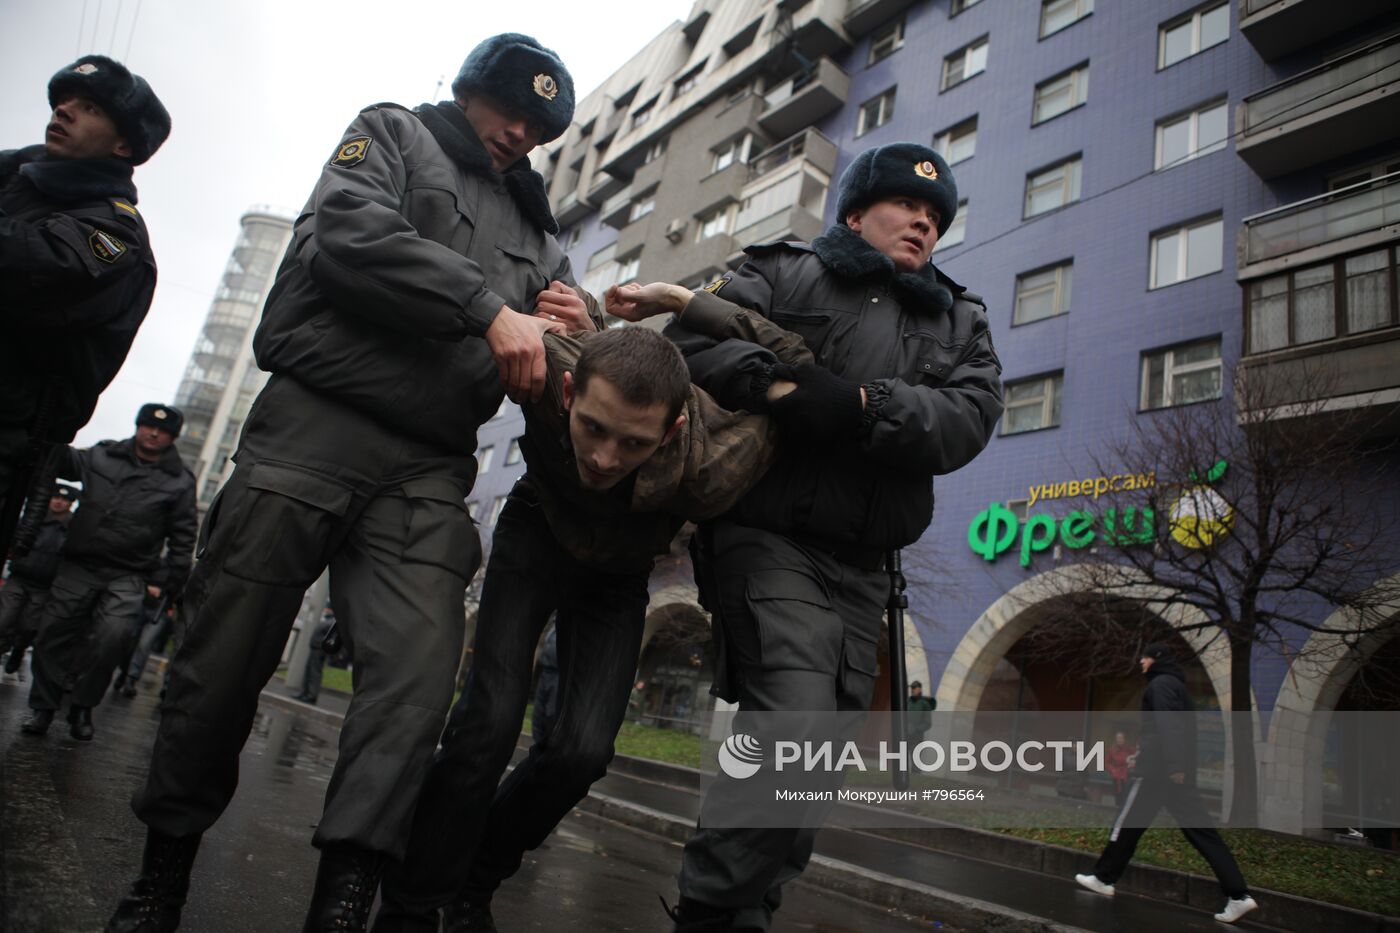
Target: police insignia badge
[[546, 87], [105, 246], [160, 414], [926, 169], [714, 287], [352, 152]]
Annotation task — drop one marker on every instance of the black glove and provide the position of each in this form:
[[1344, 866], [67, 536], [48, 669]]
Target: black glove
[[823, 407]]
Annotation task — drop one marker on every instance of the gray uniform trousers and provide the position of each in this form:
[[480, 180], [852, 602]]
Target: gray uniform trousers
[[798, 630], [90, 613], [21, 610], [319, 484]]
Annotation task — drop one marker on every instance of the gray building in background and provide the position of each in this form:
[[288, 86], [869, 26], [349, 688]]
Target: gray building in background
[[222, 378]]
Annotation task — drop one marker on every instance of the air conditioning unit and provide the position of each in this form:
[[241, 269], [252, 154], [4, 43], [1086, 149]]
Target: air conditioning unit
[[675, 230]]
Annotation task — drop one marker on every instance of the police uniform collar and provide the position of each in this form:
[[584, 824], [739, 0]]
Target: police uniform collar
[[455, 135], [71, 180], [849, 256], [169, 460]]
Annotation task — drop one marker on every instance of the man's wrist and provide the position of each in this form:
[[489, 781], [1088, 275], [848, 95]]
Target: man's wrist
[[678, 297]]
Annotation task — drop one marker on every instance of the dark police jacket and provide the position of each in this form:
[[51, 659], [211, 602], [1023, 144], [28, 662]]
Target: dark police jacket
[[1168, 743], [915, 338], [407, 249], [40, 565], [76, 280], [131, 511]]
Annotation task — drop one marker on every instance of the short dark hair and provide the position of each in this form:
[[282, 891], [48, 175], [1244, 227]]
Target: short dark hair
[[644, 366]]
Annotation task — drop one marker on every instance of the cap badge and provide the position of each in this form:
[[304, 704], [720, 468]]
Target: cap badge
[[86, 68], [926, 169], [159, 414], [352, 152], [546, 87]]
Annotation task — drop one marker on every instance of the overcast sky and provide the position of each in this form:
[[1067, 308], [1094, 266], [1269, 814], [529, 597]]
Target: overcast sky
[[259, 92]]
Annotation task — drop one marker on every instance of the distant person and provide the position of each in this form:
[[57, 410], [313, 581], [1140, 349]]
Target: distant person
[[316, 659], [1119, 761], [1166, 777], [133, 537], [919, 713], [76, 269], [26, 590]]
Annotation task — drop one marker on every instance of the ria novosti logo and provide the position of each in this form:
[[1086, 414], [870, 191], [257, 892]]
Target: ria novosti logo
[[740, 756]]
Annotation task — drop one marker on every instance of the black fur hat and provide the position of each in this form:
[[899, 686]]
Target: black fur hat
[[166, 417], [140, 116], [524, 75], [899, 168]]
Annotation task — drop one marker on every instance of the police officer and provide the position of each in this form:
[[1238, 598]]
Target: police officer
[[920, 713], [406, 299], [76, 269], [138, 504], [906, 385], [26, 590]]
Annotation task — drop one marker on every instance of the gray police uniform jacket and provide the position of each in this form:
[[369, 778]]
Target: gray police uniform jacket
[[409, 246], [76, 279], [918, 340], [135, 516]]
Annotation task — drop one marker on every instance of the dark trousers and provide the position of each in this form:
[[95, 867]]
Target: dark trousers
[[1147, 796], [83, 634], [468, 834], [21, 611], [799, 631], [315, 670], [317, 485], [152, 634]]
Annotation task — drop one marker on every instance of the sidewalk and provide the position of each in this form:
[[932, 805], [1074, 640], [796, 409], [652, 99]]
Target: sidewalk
[[953, 877]]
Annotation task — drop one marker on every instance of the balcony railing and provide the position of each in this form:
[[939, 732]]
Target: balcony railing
[[1327, 218], [810, 144], [1324, 86]]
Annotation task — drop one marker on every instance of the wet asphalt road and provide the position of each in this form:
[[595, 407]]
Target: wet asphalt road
[[69, 844]]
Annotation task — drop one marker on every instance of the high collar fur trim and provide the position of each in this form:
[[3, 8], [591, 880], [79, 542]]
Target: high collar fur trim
[[455, 135], [70, 181], [845, 253]]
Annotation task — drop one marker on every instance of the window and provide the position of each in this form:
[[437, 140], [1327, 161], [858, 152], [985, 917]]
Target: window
[[1053, 187], [686, 82], [887, 41], [496, 505], [643, 113], [1044, 293], [567, 238], [736, 150], [484, 458], [957, 143], [1193, 33], [1187, 252], [1305, 305], [957, 230], [642, 205], [1063, 92], [1357, 176], [958, 6], [1193, 134], [964, 63], [513, 454], [714, 223], [1033, 404], [1059, 14], [1181, 375], [655, 151], [628, 268], [875, 112]]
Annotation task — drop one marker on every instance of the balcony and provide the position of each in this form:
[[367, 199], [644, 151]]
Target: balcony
[[863, 16], [810, 146], [572, 209], [604, 185], [617, 209], [1336, 108], [1279, 27], [804, 99], [791, 223], [1320, 228]]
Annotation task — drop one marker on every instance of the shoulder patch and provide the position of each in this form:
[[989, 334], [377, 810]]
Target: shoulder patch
[[352, 151], [106, 247], [122, 205], [714, 287]]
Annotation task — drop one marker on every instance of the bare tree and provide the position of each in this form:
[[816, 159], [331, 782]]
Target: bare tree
[[1259, 512]]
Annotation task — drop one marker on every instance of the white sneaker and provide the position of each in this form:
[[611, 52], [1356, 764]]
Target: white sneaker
[[1235, 908], [1093, 883]]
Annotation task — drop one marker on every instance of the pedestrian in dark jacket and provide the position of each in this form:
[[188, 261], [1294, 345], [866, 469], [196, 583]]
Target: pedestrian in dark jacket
[[905, 385], [1165, 776], [76, 269], [26, 590], [920, 713], [418, 285], [133, 537]]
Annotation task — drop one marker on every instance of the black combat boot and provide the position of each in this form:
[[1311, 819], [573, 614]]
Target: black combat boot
[[37, 723], [153, 906], [345, 884], [696, 917], [462, 916], [80, 718]]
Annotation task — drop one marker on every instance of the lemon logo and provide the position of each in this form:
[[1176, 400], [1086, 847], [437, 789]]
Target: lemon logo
[[1200, 516], [740, 756]]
